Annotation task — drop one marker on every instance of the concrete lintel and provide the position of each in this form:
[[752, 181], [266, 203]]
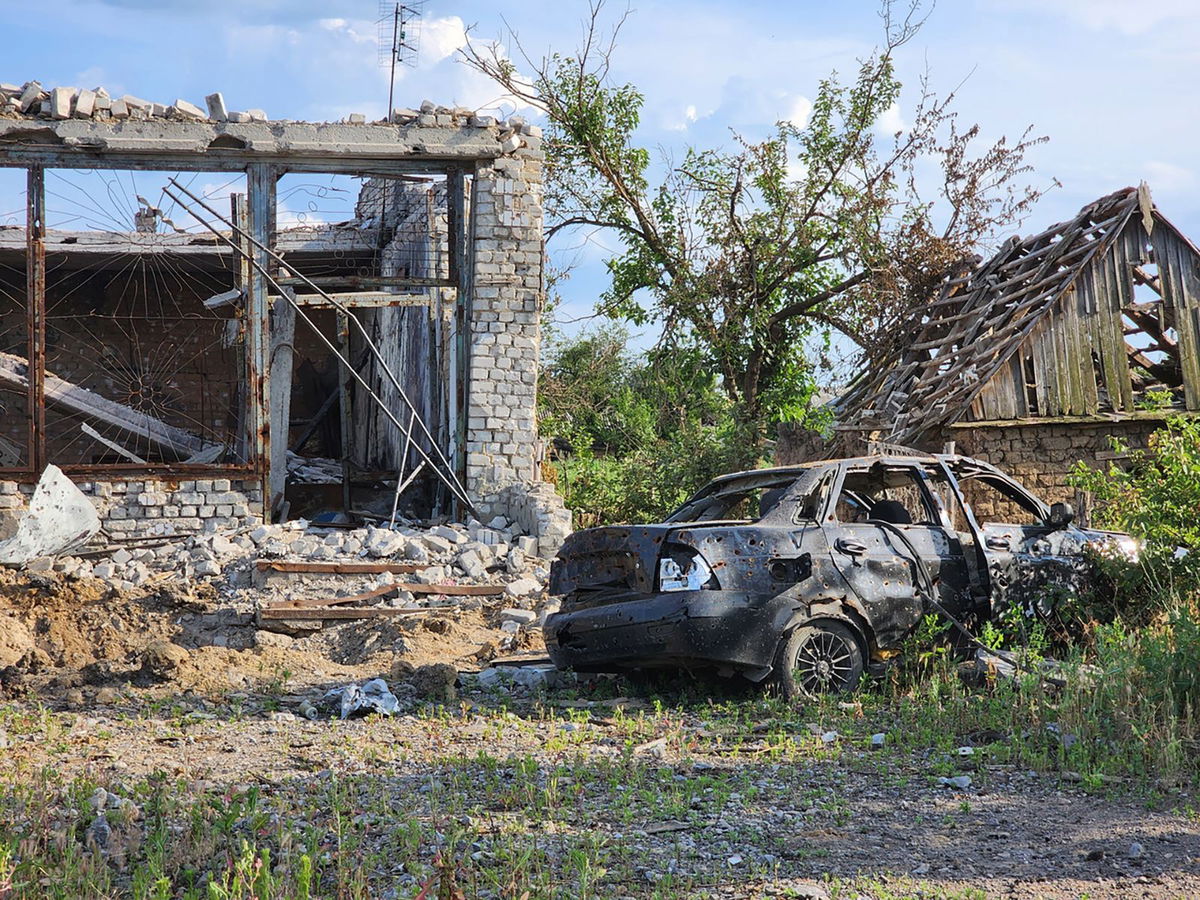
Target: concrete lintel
[[248, 141]]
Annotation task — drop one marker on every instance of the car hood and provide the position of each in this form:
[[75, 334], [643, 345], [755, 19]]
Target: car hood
[[618, 557]]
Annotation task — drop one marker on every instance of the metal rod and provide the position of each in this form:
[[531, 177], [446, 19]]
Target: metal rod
[[345, 414], [370, 344], [448, 477], [401, 487], [35, 301], [395, 53]]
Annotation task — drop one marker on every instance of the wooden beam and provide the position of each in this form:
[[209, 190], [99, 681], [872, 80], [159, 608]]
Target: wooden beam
[[360, 299], [15, 371]]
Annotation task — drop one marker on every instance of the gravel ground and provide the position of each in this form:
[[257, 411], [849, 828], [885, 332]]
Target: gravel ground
[[569, 796]]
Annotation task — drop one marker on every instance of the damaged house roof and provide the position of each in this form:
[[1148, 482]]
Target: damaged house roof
[[1094, 317]]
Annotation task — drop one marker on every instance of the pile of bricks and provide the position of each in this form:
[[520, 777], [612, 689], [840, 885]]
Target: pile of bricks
[[31, 99]]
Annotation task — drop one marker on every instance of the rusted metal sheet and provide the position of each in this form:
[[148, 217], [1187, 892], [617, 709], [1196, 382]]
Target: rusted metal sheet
[[35, 235], [370, 613], [336, 568]]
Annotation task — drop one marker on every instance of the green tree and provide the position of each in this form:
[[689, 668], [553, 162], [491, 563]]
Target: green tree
[[634, 436], [743, 254]]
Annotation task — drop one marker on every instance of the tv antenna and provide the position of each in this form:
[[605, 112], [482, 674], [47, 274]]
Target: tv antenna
[[399, 38]]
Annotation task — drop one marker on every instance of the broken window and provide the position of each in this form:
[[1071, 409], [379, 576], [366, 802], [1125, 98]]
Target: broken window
[[138, 369], [892, 494], [994, 501], [745, 499], [1151, 339]]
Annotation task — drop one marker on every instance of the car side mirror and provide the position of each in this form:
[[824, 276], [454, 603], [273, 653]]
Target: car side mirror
[[1061, 515]]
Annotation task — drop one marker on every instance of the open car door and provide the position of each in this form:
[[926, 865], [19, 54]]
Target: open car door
[[883, 525]]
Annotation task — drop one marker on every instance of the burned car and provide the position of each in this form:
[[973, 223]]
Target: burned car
[[809, 574]]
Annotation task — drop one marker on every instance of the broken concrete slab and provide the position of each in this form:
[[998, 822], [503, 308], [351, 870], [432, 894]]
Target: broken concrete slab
[[187, 110], [60, 519]]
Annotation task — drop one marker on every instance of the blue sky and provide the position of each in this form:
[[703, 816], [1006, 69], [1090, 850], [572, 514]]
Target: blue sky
[[1110, 81]]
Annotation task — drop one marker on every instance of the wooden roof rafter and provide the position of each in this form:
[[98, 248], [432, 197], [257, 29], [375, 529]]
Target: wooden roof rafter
[[948, 350]]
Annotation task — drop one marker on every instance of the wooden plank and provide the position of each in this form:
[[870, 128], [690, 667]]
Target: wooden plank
[[1120, 387], [320, 602], [1176, 266], [373, 612], [14, 371], [337, 568], [360, 299]]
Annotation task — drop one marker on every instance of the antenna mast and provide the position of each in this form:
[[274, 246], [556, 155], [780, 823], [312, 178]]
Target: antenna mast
[[399, 39]]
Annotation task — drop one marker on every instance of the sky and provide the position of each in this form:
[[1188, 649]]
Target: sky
[[1109, 81]]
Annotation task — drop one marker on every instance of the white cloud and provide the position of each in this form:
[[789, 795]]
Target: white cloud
[[441, 38], [890, 121], [799, 111]]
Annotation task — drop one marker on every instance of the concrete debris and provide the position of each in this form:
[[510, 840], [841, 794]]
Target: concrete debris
[[59, 519], [64, 102], [216, 107]]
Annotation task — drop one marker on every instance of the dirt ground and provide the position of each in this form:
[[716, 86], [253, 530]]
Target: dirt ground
[[703, 803]]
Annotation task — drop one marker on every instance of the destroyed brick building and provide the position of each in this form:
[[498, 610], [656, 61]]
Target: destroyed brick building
[[182, 291], [1035, 358]]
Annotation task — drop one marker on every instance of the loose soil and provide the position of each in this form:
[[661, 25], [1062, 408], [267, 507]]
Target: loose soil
[[760, 822]]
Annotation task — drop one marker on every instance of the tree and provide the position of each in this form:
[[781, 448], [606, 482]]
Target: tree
[[635, 437], [742, 254]]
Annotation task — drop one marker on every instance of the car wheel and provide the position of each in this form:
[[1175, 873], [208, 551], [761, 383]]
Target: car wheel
[[819, 658]]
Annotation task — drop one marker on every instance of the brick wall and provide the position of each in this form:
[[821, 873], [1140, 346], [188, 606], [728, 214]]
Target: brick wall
[[150, 508], [506, 320]]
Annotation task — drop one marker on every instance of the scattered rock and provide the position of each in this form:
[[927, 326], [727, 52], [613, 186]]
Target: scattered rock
[[272, 640], [163, 660], [522, 587], [520, 616], [98, 834]]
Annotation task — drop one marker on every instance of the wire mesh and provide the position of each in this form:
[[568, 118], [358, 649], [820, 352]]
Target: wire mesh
[[138, 369]]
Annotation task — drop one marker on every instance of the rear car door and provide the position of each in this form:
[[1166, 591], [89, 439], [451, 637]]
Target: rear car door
[[883, 523]]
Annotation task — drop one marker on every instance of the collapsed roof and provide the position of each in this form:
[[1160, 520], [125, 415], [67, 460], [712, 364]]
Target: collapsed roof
[[1096, 316]]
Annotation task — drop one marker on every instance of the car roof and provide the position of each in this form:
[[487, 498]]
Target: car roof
[[800, 468]]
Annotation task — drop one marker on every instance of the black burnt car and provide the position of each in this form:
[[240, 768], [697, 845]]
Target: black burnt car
[[809, 573]]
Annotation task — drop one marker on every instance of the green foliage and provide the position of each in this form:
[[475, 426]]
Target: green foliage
[[1154, 495], [635, 437], [752, 257]]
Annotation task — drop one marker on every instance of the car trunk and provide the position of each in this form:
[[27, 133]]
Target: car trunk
[[616, 560]]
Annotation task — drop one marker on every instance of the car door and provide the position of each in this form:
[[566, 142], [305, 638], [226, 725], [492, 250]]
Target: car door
[[883, 523], [1029, 561]]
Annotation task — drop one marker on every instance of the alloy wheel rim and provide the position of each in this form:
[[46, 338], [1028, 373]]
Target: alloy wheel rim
[[823, 663]]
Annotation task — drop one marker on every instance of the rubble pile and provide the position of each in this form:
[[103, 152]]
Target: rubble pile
[[32, 100], [447, 554]]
